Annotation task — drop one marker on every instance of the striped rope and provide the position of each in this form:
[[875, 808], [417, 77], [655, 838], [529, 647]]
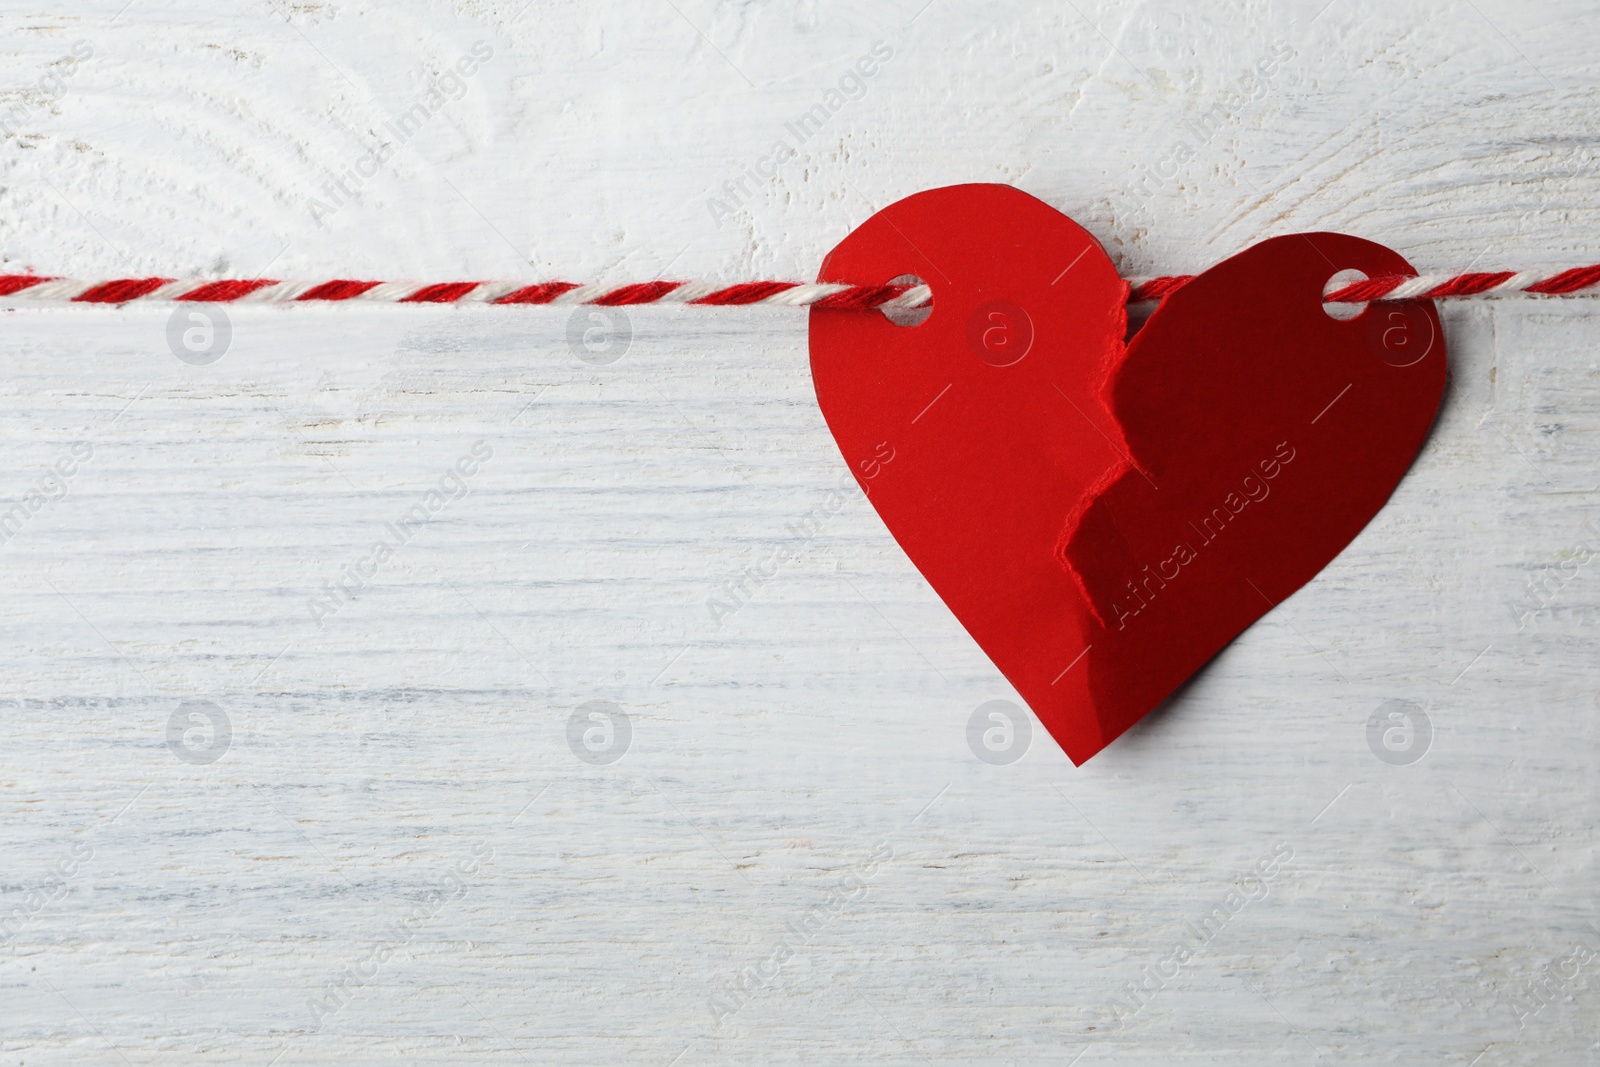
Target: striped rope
[[1570, 282], [830, 296], [270, 290], [1489, 283]]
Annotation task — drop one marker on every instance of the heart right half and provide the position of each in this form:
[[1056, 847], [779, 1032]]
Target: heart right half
[[1103, 519]]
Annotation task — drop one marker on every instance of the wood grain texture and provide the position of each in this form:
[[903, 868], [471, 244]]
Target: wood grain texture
[[798, 859]]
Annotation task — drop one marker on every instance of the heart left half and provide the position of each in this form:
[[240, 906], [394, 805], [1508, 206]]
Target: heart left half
[[1045, 474]]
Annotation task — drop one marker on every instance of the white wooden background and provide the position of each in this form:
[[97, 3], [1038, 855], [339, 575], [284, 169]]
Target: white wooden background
[[396, 806]]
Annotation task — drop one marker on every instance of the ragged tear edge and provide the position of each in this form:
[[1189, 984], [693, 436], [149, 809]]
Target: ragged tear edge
[[1128, 460], [1074, 522]]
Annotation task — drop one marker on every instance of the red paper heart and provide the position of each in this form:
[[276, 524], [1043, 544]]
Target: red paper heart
[[1104, 519]]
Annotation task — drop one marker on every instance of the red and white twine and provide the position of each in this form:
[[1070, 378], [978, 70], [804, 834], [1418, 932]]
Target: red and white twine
[[1573, 281], [267, 290], [1570, 282], [30, 288]]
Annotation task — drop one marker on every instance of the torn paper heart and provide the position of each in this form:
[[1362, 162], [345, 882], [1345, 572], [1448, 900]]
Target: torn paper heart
[[1104, 518]]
